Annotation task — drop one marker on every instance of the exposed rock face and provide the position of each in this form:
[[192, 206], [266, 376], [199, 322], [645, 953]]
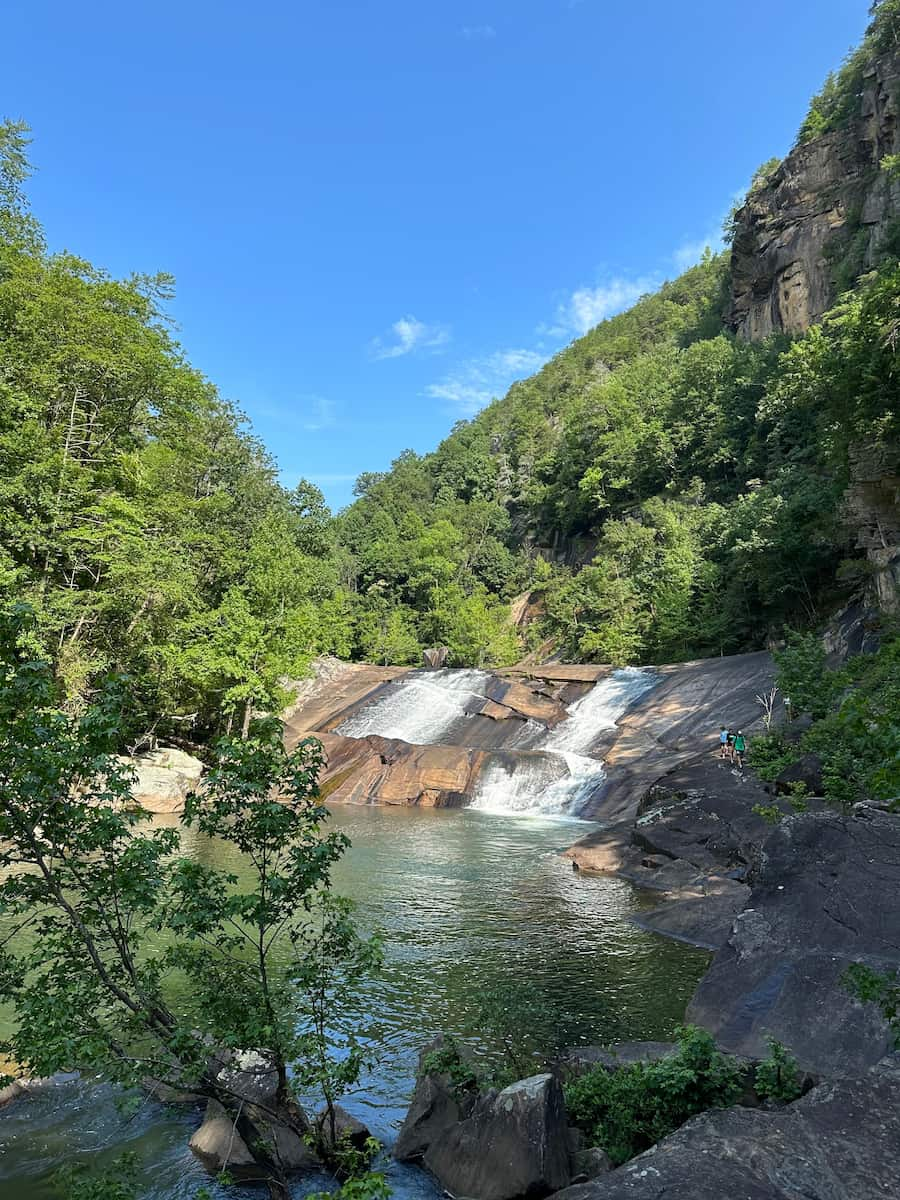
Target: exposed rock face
[[677, 722], [840, 1142], [514, 1144], [828, 189], [376, 770], [163, 779], [824, 896]]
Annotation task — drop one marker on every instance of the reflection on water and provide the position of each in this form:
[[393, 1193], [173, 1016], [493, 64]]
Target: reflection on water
[[463, 899]]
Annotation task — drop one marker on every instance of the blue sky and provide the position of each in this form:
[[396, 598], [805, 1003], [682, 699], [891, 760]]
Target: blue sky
[[380, 214]]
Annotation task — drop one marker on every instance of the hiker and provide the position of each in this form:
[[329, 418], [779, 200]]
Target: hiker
[[723, 742], [740, 748]]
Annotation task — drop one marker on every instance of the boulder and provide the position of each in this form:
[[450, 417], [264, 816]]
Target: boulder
[[619, 1054], [347, 1128], [824, 896], [163, 779], [435, 657], [250, 1077], [807, 770], [514, 1144], [436, 1106], [590, 1164], [10, 1093], [840, 1142], [220, 1147]]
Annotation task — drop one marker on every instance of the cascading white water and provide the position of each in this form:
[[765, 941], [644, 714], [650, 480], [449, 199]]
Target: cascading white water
[[420, 709], [532, 786]]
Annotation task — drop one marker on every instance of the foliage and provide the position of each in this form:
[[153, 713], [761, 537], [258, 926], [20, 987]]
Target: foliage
[[105, 914], [804, 676], [770, 813], [137, 515], [881, 988], [627, 1110], [778, 1077], [117, 1182], [448, 1059], [520, 1021]]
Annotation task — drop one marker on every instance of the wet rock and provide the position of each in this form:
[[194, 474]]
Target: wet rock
[[435, 658], [514, 1144], [824, 896], [840, 1142]]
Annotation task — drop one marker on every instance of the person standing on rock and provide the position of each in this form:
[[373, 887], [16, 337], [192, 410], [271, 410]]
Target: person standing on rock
[[723, 742], [740, 748]]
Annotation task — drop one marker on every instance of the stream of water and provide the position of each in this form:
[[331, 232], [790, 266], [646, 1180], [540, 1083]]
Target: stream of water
[[464, 899]]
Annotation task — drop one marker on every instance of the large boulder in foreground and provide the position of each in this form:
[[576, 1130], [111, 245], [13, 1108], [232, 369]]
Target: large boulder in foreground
[[840, 1142], [514, 1144], [824, 896]]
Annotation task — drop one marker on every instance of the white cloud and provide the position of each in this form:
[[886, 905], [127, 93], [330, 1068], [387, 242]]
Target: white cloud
[[588, 306], [407, 336], [476, 33], [477, 382], [320, 413]]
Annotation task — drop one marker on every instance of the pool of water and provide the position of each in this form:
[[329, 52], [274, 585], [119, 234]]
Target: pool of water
[[464, 900]]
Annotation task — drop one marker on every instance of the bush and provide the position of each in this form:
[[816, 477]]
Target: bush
[[448, 1060], [628, 1110], [778, 1077], [769, 755]]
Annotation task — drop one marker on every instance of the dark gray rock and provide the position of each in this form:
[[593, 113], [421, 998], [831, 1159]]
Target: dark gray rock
[[590, 1164], [704, 919], [824, 895], [806, 770], [514, 1144], [840, 1142], [436, 1107], [620, 1054], [347, 1128]]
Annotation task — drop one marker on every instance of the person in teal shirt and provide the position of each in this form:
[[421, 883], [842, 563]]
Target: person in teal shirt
[[740, 748]]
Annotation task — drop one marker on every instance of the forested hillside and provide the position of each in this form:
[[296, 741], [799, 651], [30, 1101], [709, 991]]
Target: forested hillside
[[138, 517], [661, 489]]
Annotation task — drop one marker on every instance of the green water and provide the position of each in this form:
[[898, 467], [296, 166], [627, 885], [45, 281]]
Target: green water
[[462, 899]]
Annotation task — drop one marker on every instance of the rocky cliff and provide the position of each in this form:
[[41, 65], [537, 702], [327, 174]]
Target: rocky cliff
[[822, 217]]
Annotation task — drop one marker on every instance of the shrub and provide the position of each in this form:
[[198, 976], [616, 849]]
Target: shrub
[[628, 1110], [447, 1059], [877, 987], [778, 1077], [769, 754]]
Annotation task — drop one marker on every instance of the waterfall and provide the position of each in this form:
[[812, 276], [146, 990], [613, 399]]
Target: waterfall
[[419, 708], [532, 786]]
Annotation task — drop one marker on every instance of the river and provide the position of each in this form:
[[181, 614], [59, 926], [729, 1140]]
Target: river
[[463, 899]]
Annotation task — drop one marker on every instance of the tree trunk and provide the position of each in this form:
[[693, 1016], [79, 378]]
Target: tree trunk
[[245, 727]]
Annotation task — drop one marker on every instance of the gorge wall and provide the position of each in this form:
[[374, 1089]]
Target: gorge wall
[[829, 200]]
